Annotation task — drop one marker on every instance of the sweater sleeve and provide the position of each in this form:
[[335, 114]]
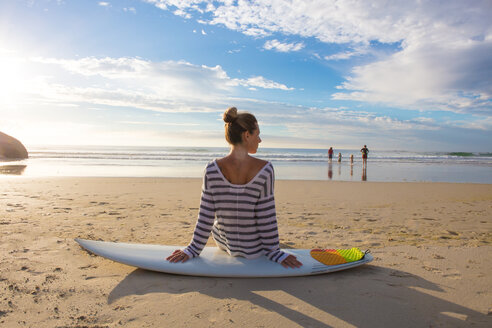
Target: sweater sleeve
[[267, 220], [205, 222]]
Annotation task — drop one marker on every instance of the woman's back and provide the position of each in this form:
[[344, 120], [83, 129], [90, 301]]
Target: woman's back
[[240, 172], [241, 217]]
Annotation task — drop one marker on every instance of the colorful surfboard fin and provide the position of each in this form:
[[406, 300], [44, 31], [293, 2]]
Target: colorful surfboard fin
[[337, 256]]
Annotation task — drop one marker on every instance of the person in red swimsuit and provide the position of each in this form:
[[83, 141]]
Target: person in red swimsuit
[[330, 153]]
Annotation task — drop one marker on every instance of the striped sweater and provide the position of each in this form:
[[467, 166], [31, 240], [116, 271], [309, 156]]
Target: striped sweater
[[241, 218]]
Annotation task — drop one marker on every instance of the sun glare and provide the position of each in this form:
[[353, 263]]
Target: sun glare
[[11, 79]]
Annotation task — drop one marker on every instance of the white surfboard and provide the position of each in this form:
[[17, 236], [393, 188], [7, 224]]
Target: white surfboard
[[212, 262]]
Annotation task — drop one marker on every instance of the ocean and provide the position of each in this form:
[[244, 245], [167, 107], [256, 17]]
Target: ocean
[[291, 164]]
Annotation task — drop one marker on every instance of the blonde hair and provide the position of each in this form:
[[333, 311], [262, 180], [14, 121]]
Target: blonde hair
[[237, 123]]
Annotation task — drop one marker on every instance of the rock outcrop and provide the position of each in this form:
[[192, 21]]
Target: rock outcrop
[[11, 148]]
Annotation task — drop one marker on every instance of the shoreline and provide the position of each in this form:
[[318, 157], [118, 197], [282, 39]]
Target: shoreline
[[4, 177], [290, 164], [432, 244]]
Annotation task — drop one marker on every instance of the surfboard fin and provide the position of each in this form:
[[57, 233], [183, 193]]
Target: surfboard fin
[[337, 256]]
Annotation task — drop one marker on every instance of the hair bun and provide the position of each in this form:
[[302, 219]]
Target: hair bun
[[230, 115]]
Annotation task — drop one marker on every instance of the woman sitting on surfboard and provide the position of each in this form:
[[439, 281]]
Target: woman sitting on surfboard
[[237, 204]]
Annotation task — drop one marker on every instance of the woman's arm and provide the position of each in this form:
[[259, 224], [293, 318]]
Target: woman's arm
[[204, 224], [268, 230], [203, 227], [267, 224]]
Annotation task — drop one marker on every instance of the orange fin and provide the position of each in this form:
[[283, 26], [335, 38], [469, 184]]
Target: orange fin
[[327, 256]]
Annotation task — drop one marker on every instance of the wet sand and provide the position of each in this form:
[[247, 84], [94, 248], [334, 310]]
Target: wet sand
[[431, 242]]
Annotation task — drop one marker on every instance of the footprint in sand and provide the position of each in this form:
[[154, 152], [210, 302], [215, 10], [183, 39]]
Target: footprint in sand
[[454, 276], [90, 266], [431, 269], [14, 205], [49, 279]]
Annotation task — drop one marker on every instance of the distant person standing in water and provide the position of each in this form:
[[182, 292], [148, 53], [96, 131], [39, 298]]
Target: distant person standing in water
[[364, 152], [330, 153], [351, 159], [339, 157]]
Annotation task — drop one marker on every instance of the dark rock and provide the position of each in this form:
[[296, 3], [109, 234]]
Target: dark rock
[[11, 148]]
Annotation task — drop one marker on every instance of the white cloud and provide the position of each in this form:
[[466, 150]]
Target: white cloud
[[443, 61], [329, 21], [104, 4], [157, 123], [181, 87], [358, 51], [182, 13], [340, 55], [165, 87], [427, 77], [283, 47], [168, 86], [484, 124], [304, 122], [261, 82], [130, 9]]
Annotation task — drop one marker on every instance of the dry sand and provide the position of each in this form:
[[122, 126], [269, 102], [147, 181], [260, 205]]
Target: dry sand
[[431, 242]]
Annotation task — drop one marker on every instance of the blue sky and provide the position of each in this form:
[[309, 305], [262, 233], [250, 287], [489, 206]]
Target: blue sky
[[402, 75]]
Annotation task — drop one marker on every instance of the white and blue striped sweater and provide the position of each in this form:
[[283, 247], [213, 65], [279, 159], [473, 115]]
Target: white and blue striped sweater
[[242, 218]]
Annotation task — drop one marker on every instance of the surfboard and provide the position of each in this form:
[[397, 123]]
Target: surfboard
[[212, 262]]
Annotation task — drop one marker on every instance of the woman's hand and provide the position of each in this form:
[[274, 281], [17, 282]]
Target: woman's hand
[[178, 256], [291, 262]]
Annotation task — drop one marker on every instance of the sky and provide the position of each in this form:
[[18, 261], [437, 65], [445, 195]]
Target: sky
[[397, 75]]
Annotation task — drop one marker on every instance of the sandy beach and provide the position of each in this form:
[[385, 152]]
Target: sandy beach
[[432, 244]]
